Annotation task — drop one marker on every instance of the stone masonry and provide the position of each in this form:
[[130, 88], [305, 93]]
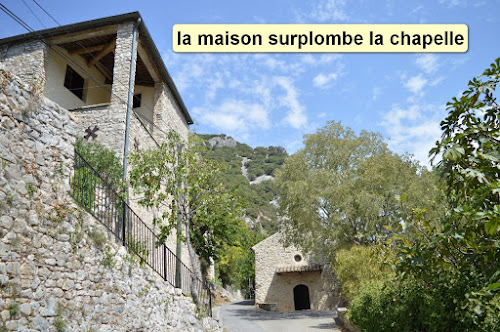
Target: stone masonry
[[275, 290], [27, 60], [59, 269]]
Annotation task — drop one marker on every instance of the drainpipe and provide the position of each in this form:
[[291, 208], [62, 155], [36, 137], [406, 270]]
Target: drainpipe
[[130, 99], [178, 250]]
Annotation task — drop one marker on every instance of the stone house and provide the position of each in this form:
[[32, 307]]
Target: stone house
[[286, 279], [87, 67]]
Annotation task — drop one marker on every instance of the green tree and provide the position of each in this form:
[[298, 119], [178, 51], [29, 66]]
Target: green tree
[[185, 185], [465, 248], [357, 266], [343, 189], [236, 265]]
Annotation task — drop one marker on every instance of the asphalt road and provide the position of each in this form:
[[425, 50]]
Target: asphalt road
[[244, 317]]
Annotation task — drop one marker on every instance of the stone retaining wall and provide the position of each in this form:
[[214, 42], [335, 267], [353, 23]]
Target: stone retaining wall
[[59, 268]]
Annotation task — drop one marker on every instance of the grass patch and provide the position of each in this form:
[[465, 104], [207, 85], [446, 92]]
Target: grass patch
[[98, 237], [13, 309], [60, 325]]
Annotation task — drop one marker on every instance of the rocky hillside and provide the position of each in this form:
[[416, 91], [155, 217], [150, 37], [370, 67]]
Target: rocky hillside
[[250, 172]]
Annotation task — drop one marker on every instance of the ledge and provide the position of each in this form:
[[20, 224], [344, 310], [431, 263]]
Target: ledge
[[89, 107], [298, 268]]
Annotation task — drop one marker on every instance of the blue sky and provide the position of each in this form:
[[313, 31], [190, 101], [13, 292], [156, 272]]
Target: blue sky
[[274, 99]]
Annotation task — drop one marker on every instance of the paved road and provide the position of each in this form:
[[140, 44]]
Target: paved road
[[244, 317]]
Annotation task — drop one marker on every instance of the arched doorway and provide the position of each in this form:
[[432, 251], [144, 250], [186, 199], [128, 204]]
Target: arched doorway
[[301, 297]]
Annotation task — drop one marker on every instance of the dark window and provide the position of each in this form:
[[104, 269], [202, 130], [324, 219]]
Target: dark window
[[297, 258], [137, 101], [74, 82]]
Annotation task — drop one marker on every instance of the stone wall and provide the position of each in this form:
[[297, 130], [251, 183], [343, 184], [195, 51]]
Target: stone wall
[[59, 269], [277, 289], [167, 113], [24, 59], [27, 60]]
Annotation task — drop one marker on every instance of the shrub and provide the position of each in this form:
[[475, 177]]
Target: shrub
[[359, 265], [83, 185], [411, 305], [98, 237], [104, 161]]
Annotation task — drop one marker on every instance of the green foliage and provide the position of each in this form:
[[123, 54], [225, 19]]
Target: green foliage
[[357, 266], [104, 161], [13, 309], [138, 247], [84, 183], [60, 325], [407, 305], [257, 196], [192, 186], [31, 189], [99, 238], [108, 260], [236, 264], [343, 189], [455, 262]]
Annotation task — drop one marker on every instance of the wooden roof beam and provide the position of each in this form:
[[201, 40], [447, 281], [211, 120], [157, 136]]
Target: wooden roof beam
[[72, 37], [89, 49], [148, 62], [109, 48], [104, 71]]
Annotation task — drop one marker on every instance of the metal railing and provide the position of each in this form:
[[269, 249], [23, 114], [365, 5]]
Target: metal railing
[[98, 198]]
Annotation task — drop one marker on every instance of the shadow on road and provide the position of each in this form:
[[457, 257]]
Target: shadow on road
[[324, 326], [247, 310]]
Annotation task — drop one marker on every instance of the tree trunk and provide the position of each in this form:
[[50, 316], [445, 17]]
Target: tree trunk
[[194, 263]]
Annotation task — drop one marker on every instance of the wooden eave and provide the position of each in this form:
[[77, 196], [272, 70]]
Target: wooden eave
[[150, 67]]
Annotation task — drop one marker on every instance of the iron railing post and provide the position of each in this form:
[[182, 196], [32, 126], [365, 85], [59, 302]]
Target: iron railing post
[[165, 262], [209, 300], [124, 218]]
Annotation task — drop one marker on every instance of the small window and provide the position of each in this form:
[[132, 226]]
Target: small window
[[74, 82], [137, 101], [297, 258]]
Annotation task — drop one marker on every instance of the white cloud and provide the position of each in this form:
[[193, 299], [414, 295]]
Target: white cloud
[[214, 84], [235, 117], [244, 95], [317, 59], [323, 81], [415, 84], [329, 11], [453, 3], [427, 62], [376, 92], [414, 129], [296, 116], [436, 81]]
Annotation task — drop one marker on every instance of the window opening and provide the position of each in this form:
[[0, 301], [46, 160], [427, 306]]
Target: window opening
[[74, 82]]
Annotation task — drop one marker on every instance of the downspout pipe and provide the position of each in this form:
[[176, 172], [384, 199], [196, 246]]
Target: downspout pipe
[[130, 98]]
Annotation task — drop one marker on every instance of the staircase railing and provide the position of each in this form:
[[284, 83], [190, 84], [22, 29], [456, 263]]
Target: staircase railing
[[97, 197]]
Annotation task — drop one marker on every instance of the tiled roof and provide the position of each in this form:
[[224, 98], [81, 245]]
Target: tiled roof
[[298, 268]]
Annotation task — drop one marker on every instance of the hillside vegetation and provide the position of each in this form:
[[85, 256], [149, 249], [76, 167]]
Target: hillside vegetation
[[250, 173]]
